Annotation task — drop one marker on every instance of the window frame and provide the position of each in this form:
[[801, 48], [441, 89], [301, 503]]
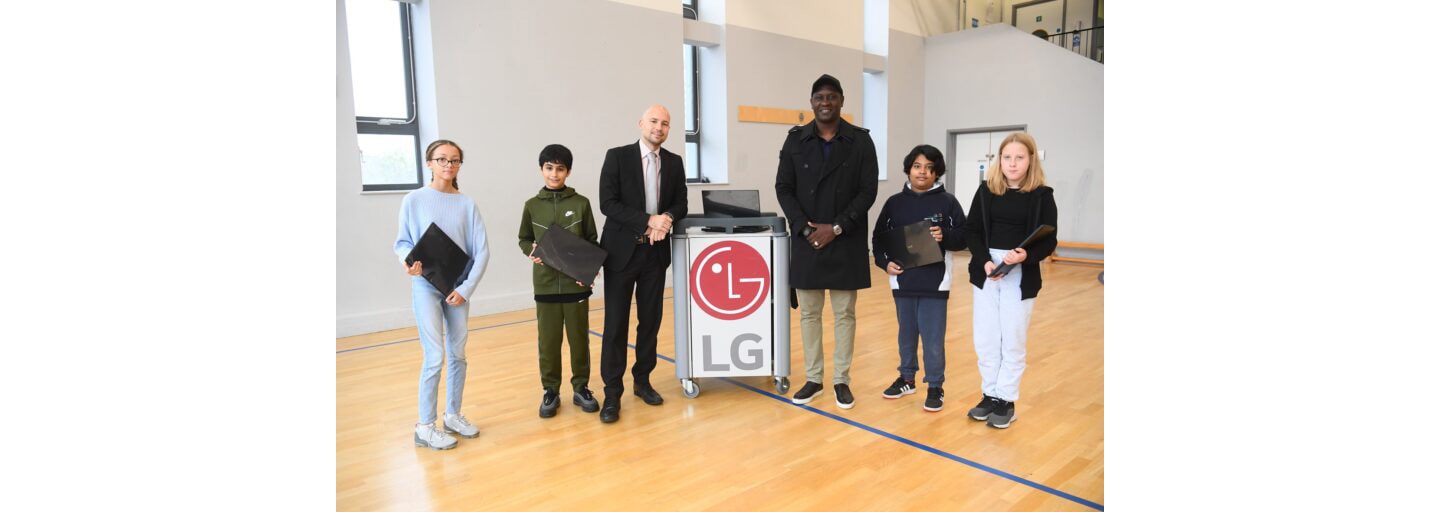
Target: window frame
[[690, 9], [693, 137], [393, 126]]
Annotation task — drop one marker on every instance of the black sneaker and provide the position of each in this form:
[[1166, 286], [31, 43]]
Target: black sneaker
[[843, 398], [934, 399], [586, 400], [899, 388], [1003, 414], [807, 393], [549, 403], [983, 409]]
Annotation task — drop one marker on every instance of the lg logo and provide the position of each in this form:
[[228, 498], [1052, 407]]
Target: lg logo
[[730, 280]]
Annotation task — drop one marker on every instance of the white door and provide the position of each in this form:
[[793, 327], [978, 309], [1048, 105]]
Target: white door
[[1046, 16], [967, 167]]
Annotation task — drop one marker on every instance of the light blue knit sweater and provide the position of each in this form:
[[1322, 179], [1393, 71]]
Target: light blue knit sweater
[[457, 216]]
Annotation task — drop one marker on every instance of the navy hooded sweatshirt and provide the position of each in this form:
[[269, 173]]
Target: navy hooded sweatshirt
[[908, 207]]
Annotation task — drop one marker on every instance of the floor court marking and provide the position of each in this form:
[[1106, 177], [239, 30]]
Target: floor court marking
[[853, 423], [902, 440]]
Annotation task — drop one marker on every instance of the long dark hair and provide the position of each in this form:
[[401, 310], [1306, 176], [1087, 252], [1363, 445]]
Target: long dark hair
[[430, 153]]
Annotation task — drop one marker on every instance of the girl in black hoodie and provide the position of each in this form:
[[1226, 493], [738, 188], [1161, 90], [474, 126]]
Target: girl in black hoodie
[[1008, 206]]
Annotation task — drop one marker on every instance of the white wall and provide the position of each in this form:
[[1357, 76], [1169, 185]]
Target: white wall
[[903, 17], [832, 22], [364, 287], [671, 6], [998, 76], [905, 72], [933, 16], [510, 77], [773, 70], [877, 26]]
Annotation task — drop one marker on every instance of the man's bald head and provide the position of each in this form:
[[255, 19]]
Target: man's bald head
[[655, 125]]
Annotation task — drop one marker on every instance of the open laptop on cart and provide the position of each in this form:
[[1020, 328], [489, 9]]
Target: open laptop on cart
[[737, 204]]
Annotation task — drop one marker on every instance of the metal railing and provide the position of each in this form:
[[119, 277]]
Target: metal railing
[[1089, 42]]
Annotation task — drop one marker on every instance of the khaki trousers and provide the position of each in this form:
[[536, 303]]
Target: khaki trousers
[[812, 304]]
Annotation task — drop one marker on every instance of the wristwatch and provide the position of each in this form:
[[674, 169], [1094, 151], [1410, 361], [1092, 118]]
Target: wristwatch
[[836, 229]]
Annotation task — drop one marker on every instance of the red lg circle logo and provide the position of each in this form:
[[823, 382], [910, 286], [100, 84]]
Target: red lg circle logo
[[729, 280]]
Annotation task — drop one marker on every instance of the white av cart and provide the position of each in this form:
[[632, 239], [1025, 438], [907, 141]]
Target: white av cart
[[732, 300]]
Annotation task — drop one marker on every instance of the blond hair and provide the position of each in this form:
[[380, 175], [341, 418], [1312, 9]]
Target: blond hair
[[1034, 177]]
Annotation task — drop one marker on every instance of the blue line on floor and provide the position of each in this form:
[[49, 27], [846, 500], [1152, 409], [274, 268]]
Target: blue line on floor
[[916, 444]]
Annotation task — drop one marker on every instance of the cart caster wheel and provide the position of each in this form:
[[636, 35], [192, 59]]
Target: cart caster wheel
[[690, 388], [782, 385]]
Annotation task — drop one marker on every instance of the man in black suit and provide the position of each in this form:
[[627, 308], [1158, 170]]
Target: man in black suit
[[642, 193]]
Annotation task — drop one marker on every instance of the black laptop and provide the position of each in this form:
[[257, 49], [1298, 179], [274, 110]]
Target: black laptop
[[442, 262], [911, 245], [569, 254], [730, 203], [1041, 231]]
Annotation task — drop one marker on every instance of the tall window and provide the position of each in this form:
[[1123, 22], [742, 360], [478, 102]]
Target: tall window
[[692, 102], [383, 76]]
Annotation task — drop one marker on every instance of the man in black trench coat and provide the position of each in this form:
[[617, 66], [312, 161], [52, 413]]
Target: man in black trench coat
[[825, 184]]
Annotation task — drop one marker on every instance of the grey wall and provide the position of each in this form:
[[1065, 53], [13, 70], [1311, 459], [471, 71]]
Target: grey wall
[[905, 69], [510, 77], [996, 76], [772, 70]]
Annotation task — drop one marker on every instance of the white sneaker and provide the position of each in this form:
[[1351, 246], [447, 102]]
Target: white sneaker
[[430, 437], [457, 424]]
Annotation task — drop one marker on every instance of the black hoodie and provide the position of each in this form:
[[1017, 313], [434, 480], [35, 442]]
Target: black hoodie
[[1041, 205], [909, 207]]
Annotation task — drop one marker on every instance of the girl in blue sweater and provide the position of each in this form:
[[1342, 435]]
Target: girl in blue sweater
[[921, 293], [442, 203]]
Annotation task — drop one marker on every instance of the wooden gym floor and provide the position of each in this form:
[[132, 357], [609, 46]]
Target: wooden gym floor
[[737, 446]]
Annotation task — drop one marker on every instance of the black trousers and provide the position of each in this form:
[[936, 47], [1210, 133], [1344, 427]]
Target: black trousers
[[644, 278]]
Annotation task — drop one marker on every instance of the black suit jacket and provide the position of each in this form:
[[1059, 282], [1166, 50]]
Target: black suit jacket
[[622, 200]]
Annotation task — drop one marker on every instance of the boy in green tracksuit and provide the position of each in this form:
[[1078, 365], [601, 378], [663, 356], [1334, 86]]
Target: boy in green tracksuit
[[560, 302]]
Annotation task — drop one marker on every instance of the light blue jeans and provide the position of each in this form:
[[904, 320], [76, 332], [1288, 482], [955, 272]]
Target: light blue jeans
[[430, 312], [1001, 319]]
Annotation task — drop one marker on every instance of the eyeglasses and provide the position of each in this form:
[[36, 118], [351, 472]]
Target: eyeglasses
[[446, 163]]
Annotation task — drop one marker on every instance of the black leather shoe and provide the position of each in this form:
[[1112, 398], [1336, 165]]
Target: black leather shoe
[[650, 396], [610, 413]]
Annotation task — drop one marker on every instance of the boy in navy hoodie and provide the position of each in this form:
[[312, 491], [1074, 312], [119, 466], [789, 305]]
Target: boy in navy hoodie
[[921, 293]]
